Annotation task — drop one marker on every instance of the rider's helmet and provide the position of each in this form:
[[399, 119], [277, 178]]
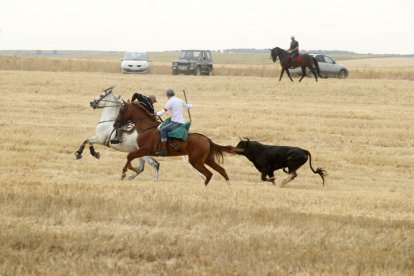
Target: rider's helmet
[[170, 92]]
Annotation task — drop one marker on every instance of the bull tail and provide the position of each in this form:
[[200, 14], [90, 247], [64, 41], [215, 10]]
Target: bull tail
[[319, 171], [317, 67], [218, 151]]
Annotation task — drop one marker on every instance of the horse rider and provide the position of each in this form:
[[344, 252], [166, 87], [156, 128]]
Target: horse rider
[[145, 101], [293, 49], [175, 106]]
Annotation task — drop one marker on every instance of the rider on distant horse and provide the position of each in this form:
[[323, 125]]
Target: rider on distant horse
[[175, 106], [294, 48], [147, 102]]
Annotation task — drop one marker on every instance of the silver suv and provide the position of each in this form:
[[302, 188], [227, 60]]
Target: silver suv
[[196, 62]]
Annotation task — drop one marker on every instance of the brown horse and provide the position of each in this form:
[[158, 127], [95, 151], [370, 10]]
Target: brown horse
[[199, 148], [301, 61]]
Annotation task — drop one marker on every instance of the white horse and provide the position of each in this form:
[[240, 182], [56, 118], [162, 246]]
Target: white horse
[[105, 132]]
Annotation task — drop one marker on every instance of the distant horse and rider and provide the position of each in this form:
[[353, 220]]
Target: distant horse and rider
[[292, 59], [110, 105]]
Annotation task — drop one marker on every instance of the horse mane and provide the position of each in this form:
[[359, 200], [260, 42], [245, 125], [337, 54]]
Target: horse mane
[[281, 50]]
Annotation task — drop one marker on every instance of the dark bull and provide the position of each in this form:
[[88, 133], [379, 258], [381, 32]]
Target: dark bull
[[267, 159]]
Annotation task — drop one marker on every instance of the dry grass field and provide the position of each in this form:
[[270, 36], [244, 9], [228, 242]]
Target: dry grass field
[[65, 216]]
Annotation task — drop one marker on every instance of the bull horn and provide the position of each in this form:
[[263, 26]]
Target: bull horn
[[245, 138]]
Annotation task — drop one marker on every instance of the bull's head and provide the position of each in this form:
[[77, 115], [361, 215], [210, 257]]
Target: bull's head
[[242, 145]]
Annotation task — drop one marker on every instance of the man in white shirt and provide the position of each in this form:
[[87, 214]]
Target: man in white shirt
[[175, 106]]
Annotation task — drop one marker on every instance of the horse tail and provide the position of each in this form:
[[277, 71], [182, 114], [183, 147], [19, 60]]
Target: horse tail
[[319, 171], [317, 67], [218, 151]]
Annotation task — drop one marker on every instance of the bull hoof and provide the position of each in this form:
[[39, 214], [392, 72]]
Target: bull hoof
[[78, 155], [97, 155]]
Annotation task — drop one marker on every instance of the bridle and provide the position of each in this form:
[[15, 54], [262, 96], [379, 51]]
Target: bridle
[[94, 104], [274, 53]]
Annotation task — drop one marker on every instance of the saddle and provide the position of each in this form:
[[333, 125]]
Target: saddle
[[180, 132], [294, 61], [298, 58]]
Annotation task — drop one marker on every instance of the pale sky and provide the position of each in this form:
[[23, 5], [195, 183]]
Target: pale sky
[[380, 27]]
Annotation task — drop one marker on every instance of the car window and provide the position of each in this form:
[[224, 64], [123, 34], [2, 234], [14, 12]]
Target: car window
[[208, 55], [136, 56], [328, 60], [186, 55], [319, 58], [191, 55], [198, 54]]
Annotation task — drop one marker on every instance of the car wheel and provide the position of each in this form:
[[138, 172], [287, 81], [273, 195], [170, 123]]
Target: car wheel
[[197, 71], [342, 74], [210, 72]]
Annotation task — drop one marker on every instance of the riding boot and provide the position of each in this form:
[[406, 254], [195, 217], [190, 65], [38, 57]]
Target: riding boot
[[163, 150], [118, 136]]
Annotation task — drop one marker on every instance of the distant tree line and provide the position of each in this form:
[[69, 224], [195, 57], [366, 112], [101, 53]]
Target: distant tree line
[[235, 50]]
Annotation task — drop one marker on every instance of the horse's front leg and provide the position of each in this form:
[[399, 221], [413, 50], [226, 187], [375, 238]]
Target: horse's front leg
[[288, 73], [131, 156], [92, 140], [78, 153], [281, 74], [93, 152]]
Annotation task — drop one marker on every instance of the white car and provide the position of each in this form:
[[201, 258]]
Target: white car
[[135, 62], [328, 67]]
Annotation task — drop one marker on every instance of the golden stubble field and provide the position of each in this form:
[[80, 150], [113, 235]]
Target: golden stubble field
[[65, 216]]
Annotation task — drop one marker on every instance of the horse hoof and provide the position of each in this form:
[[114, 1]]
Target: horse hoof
[[123, 176]]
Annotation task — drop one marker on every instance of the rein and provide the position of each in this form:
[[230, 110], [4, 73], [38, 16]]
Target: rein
[[102, 99], [144, 118], [109, 101], [101, 122]]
